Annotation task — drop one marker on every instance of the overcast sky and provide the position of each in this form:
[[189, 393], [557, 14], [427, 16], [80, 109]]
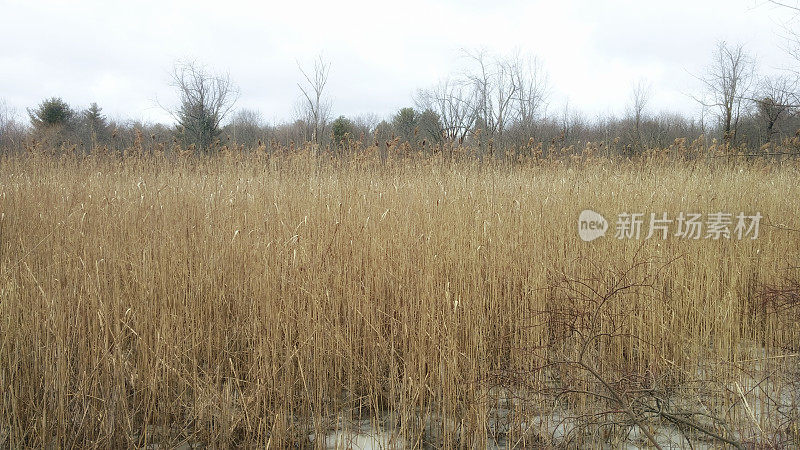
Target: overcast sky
[[119, 54]]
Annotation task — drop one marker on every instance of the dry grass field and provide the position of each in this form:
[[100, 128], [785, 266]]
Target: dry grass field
[[309, 301]]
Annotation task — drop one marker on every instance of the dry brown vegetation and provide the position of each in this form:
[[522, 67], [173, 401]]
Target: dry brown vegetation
[[267, 300]]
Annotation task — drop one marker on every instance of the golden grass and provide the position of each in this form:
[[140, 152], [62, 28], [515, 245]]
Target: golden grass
[[254, 301]]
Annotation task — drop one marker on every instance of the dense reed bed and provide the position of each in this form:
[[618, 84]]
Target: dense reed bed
[[255, 300]]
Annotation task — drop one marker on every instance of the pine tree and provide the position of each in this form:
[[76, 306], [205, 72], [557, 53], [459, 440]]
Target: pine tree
[[405, 124], [94, 126], [95, 119], [51, 113], [430, 127], [341, 130]]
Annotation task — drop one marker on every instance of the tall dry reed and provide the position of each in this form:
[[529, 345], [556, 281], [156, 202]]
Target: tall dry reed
[[266, 300]]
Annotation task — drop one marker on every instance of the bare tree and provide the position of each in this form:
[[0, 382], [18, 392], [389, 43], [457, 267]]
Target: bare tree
[[774, 101], [493, 89], [451, 101], [792, 36], [315, 108], [790, 27], [6, 118], [640, 97], [531, 89], [247, 127], [728, 83], [12, 132], [205, 100], [366, 122], [566, 122], [491, 95]]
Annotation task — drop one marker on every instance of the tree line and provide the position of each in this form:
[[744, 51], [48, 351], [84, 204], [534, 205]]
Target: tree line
[[495, 102]]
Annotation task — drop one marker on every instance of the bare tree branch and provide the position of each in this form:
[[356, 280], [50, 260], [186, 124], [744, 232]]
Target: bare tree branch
[[205, 100], [315, 108]]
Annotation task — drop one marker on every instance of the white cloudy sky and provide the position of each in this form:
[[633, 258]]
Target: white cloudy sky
[[119, 54]]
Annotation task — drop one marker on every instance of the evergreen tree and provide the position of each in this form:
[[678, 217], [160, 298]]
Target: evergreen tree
[[94, 126], [53, 112], [430, 127], [405, 124], [95, 119], [342, 129]]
